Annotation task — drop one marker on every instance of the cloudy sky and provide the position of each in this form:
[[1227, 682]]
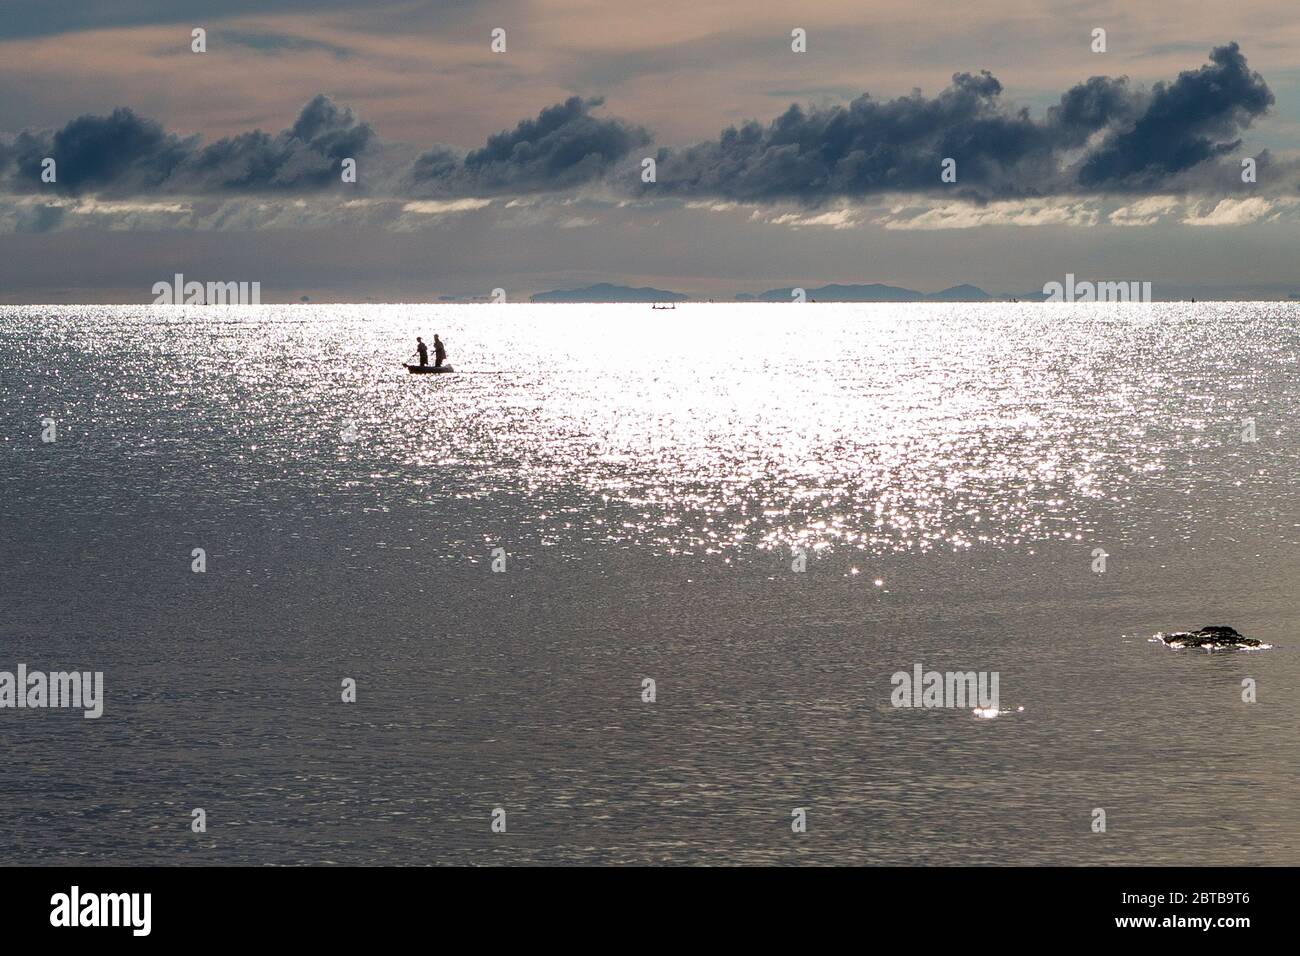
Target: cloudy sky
[[523, 169]]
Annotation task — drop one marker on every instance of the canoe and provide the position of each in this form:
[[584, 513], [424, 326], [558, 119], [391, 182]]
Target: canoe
[[428, 369]]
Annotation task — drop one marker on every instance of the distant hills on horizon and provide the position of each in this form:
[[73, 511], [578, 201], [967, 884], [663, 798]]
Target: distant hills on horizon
[[606, 293], [610, 293], [873, 292]]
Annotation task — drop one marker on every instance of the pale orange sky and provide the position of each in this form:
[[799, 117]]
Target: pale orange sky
[[424, 72]]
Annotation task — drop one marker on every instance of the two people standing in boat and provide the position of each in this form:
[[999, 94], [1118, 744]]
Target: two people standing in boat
[[439, 351]]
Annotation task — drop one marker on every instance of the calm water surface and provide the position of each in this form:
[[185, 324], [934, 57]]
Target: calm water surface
[[948, 470]]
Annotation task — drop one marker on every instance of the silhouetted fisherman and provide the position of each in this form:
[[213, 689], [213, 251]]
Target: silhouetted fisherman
[[439, 353], [422, 350]]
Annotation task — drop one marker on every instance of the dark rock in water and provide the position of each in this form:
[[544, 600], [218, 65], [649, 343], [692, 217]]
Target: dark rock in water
[[1210, 637]]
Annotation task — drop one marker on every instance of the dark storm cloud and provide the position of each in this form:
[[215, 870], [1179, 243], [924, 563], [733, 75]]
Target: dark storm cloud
[[121, 153], [1127, 139], [1102, 136], [305, 157], [868, 146], [1195, 118], [124, 154], [565, 146], [1088, 107]]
